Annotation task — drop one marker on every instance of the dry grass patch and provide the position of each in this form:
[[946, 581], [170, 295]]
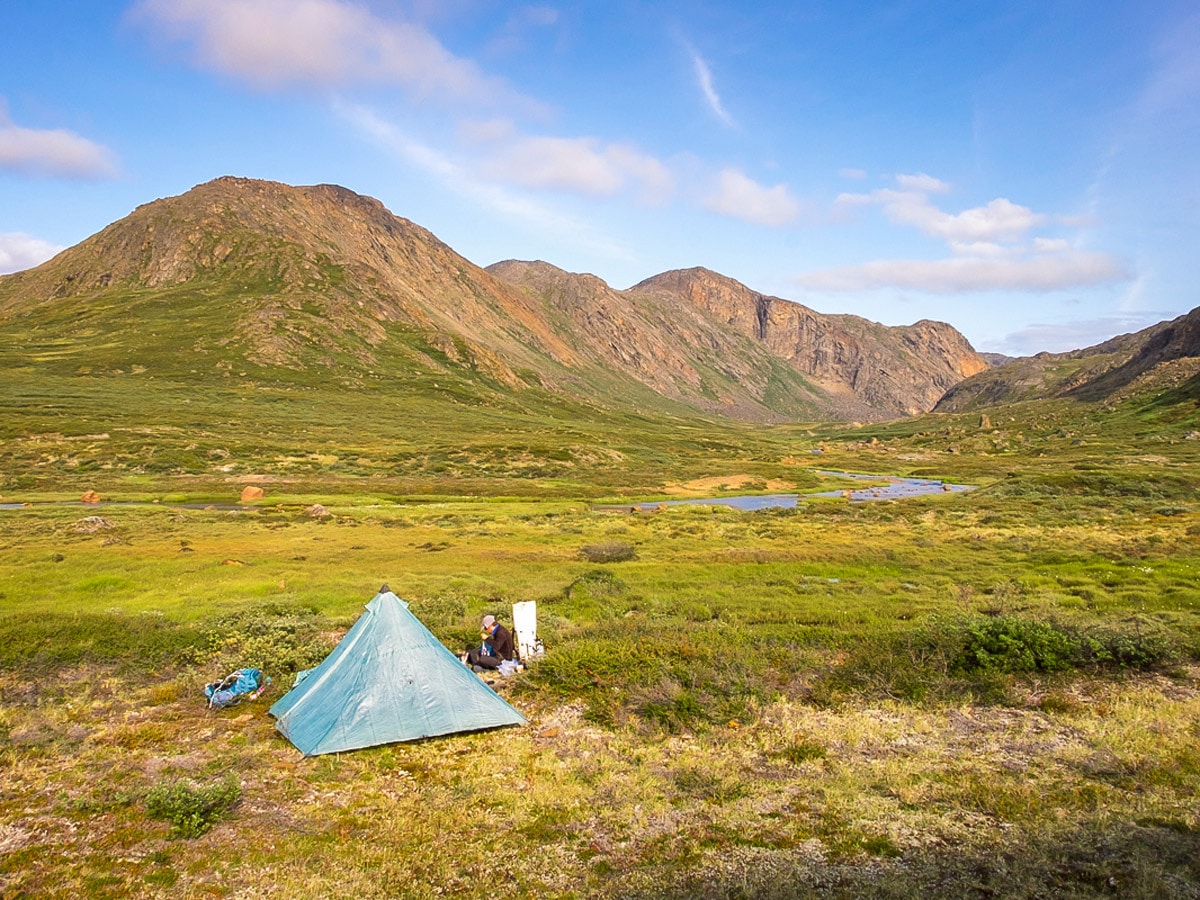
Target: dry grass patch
[[874, 800]]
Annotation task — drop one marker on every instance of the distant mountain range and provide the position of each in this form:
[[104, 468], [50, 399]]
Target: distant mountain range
[[245, 274]]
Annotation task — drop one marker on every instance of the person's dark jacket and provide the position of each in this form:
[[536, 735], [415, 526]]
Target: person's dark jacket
[[501, 642]]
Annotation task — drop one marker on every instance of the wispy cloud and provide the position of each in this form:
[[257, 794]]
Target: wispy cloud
[[271, 44], [462, 180], [704, 80], [743, 198], [581, 164], [993, 246], [925, 184], [513, 36], [976, 273], [55, 153], [20, 251]]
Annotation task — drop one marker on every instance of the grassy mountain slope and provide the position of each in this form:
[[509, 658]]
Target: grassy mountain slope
[[1161, 355]]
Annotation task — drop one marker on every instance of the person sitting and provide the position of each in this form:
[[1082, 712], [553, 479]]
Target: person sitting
[[495, 647]]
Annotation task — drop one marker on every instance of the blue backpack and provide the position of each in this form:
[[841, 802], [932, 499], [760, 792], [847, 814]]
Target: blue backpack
[[244, 684]]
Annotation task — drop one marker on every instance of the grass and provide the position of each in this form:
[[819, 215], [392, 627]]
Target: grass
[[972, 694]]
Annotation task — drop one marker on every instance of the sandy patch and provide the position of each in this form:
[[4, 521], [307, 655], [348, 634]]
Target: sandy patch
[[721, 483]]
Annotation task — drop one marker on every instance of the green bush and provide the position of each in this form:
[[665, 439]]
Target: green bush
[[973, 656], [1009, 644], [596, 583], [274, 638], [192, 810]]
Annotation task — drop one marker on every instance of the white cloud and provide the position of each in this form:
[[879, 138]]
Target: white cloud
[[1034, 273], [20, 251], [578, 164], [922, 183], [704, 80], [1050, 245], [316, 43], [743, 198], [998, 220], [979, 248], [992, 248], [55, 152]]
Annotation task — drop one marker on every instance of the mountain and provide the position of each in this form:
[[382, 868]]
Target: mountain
[[291, 276], [282, 284], [675, 349], [895, 371], [1165, 354]]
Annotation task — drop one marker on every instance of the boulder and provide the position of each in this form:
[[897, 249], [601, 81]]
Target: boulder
[[90, 497], [250, 492]]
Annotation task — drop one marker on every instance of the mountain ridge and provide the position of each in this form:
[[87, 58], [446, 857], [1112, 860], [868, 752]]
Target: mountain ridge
[[289, 278], [1097, 373]]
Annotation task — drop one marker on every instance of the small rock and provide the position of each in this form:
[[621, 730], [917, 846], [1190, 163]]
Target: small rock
[[317, 511], [250, 492], [90, 497]]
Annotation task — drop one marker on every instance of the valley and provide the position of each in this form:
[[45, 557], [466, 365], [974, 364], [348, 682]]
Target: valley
[[991, 692]]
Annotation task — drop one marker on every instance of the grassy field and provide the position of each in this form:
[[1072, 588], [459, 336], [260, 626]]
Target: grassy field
[[994, 693]]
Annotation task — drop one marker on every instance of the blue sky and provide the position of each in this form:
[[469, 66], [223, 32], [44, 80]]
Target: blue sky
[[1027, 171]]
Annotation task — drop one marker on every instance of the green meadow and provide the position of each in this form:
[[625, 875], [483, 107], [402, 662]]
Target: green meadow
[[992, 693]]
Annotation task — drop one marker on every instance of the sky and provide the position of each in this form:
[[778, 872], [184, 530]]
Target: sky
[[1028, 171]]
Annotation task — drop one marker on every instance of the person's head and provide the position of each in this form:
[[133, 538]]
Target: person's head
[[489, 622]]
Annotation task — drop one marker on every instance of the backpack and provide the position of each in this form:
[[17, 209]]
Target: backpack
[[242, 684]]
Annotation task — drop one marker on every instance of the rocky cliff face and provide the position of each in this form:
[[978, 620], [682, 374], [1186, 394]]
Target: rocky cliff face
[[896, 371], [678, 351]]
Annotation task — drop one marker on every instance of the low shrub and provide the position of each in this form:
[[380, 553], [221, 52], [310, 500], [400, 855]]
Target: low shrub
[[608, 552], [192, 809], [271, 638], [596, 583], [975, 656], [1011, 644], [801, 749]]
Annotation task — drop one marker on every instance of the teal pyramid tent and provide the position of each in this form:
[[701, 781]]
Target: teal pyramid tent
[[389, 679]]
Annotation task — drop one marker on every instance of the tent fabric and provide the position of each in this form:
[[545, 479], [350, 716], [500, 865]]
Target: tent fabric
[[388, 680]]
